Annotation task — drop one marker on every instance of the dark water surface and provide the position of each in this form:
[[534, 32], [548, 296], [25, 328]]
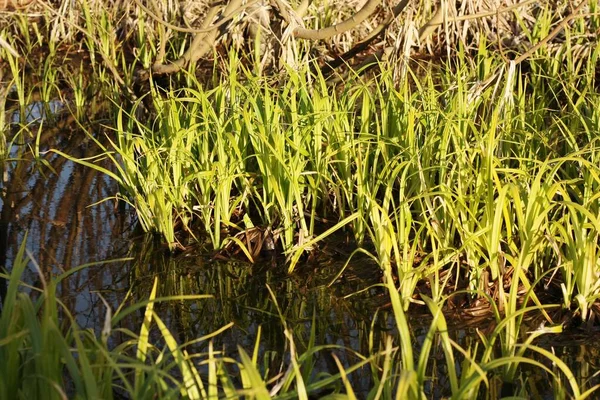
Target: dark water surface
[[59, 206]]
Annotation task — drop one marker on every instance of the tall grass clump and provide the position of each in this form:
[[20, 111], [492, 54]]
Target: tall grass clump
[[443, 180]]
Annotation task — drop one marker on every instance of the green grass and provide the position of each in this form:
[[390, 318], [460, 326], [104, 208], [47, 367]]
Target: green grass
[[489, 189], [444, 177], [48, 356], [482, 187]]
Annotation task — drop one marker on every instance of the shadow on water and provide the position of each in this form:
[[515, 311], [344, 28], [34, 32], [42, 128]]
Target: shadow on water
[[59, 204]]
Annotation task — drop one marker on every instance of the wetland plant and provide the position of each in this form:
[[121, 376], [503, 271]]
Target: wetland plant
[[475, 175]]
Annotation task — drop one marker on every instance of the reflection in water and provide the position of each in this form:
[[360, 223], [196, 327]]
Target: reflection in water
[[37, 112], [241, 295], [66, 224], [50, 199]]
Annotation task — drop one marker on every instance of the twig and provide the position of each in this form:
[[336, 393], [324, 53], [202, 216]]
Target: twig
[[192, 30], [552, 34], [364, 44]]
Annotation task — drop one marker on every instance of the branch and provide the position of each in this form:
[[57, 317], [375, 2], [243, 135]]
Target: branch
[[362, 45], [552, 34], [205, 28], [438, 17], [325, 33], [202, 42]]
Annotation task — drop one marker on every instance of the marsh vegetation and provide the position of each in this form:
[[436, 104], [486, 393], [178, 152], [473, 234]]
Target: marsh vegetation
[[303, 199]]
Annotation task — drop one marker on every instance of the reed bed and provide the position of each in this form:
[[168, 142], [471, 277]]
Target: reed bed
[[495, 186], [476, 175]]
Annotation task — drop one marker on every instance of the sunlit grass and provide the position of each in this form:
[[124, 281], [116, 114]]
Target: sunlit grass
[[491, 189], [487, 188]]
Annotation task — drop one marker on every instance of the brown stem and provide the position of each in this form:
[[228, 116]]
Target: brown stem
[[201, 44], [364, 44], [438, 17], [325, 33], [205, 28], [552, 34]]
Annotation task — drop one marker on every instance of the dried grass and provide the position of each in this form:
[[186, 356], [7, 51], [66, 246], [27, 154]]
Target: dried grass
[[461, 26]]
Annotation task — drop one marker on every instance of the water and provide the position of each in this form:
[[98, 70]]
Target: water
[[38, 112]]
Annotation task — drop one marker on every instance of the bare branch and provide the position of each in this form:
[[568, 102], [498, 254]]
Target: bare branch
[[362, 45], [202, 42], [205, 28], [438, 17], [552, 34], [352, 22]]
